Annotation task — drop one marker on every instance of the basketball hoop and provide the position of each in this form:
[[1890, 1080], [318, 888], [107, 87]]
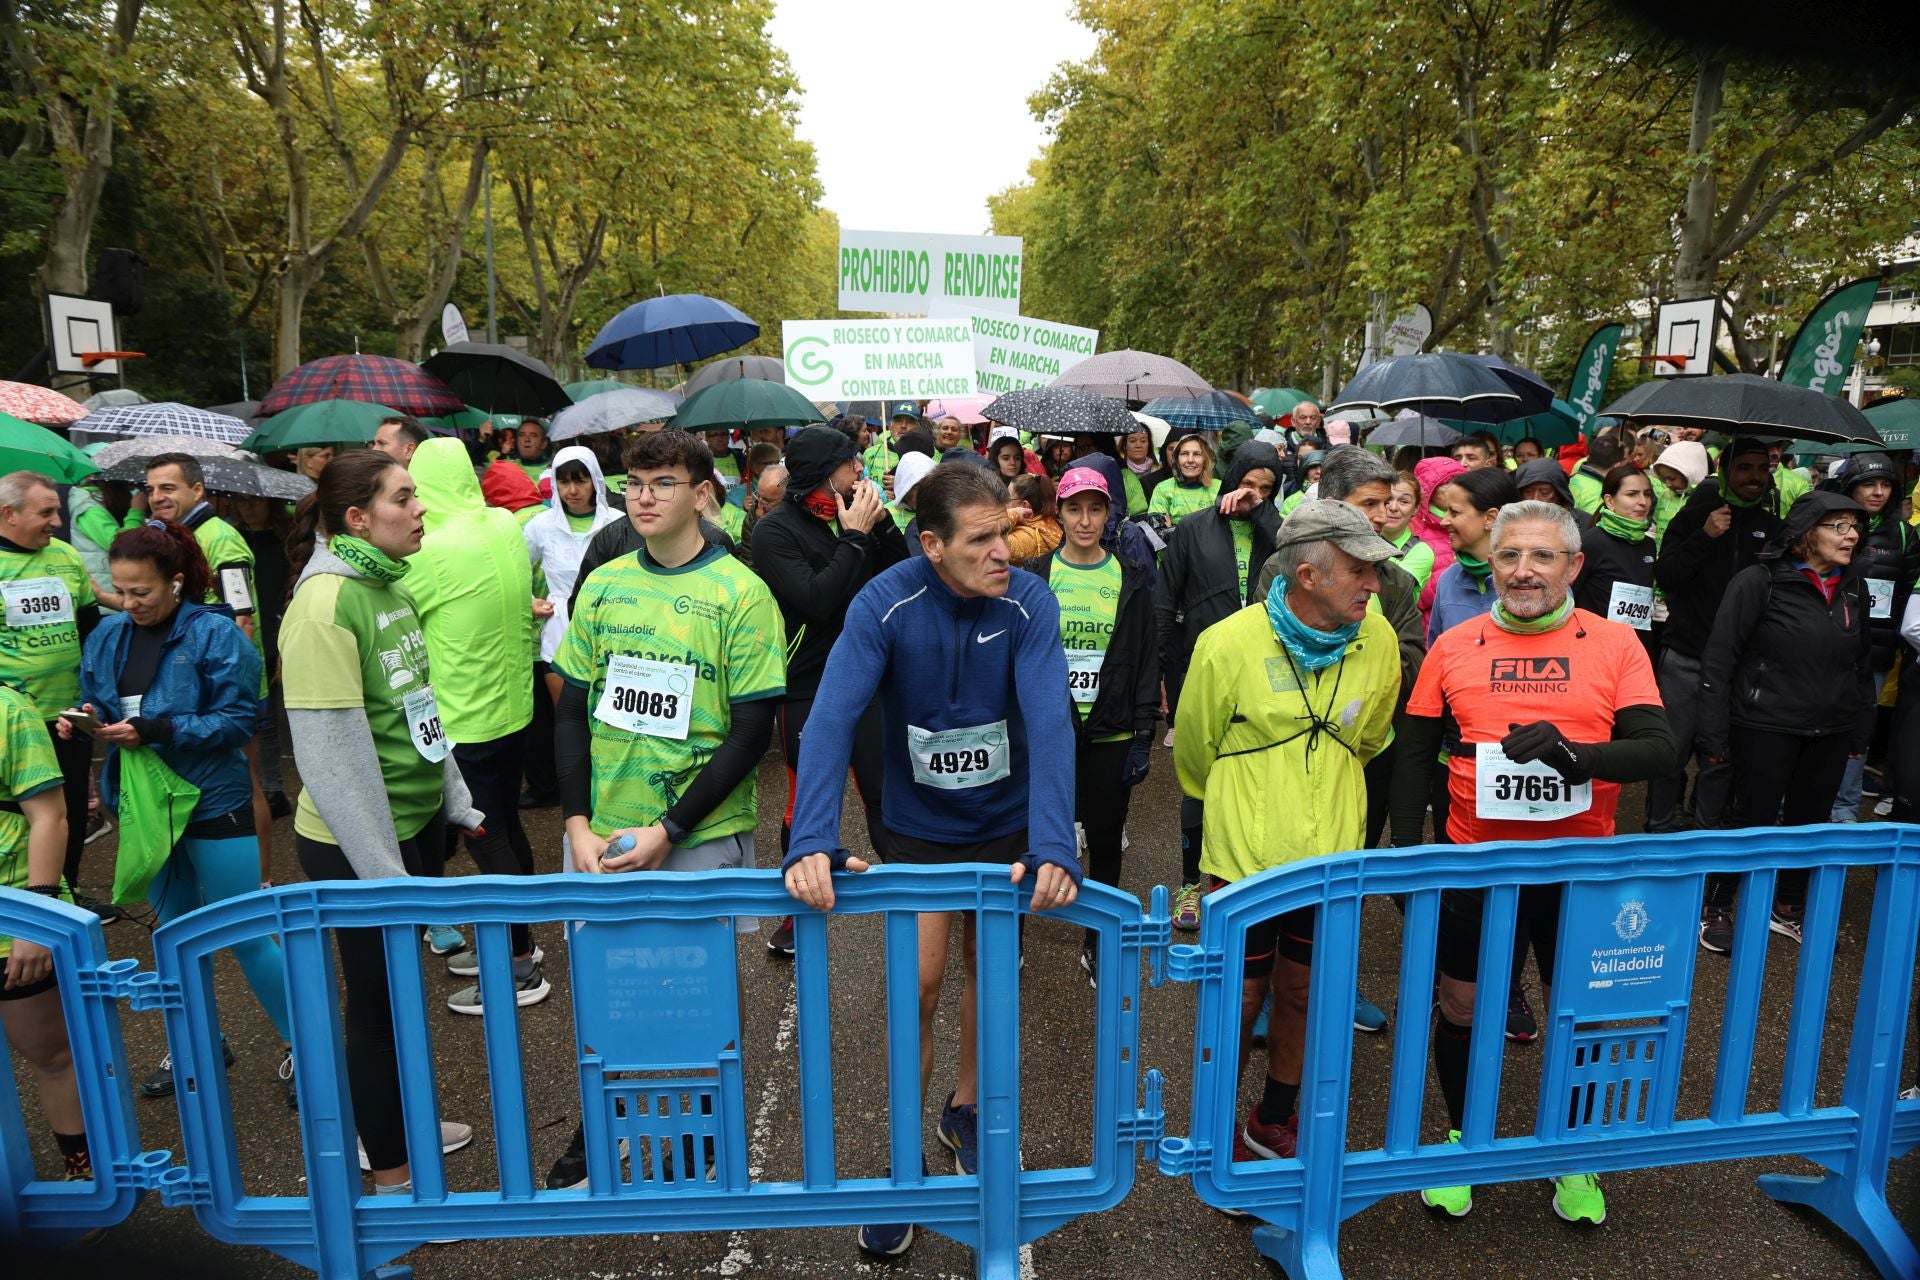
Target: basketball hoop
[[1677, 362], [92, 358]]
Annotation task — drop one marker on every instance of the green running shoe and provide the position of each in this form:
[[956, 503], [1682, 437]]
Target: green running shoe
[[1577, 1198], [1186, 908], [1457, 1201]]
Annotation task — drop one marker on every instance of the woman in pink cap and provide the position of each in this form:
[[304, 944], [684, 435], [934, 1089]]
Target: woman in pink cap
[[1432, 473]]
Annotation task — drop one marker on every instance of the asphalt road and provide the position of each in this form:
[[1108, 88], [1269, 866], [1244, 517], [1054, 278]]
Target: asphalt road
[[1690, 1221]]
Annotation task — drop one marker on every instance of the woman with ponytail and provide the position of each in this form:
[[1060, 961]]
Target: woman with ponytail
[[174, 677], [1616, 578], [379, 782]]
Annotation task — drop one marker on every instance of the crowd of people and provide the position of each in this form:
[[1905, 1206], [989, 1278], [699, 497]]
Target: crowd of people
[[994, 629]]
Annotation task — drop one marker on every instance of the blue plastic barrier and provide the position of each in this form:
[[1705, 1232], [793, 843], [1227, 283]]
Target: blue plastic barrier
[[660, 1059], [1626, 954]]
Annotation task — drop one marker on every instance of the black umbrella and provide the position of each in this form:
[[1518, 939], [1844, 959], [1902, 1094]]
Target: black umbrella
[[766, 368], [1435, 384], [499, 379], [226, 475], [1745, 404], [1535, 395], [248, 411], [1423, 431], [1062, 411]]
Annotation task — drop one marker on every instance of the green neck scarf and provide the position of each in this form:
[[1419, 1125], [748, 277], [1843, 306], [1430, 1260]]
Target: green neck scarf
[[366, 559], [1610, 521], [1474, 567], [1532, 626], [1734, 500]]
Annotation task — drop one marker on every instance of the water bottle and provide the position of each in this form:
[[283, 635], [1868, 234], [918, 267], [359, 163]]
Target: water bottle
[[622, 843]]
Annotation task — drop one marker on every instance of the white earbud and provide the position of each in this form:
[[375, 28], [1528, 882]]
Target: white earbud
[[176, 590]]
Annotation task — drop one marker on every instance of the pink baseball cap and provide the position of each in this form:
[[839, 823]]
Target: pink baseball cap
[[1080, 480]]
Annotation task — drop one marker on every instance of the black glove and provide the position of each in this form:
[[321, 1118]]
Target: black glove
[[1543, 742], [1136, 771]]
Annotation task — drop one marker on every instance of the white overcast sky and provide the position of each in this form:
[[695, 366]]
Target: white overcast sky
[[918, 108]]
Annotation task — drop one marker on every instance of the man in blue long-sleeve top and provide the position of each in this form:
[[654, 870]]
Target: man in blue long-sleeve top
[[964, 651]]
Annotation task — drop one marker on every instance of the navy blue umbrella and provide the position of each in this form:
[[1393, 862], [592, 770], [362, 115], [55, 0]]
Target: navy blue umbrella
[[1535, 395], [677, 329]]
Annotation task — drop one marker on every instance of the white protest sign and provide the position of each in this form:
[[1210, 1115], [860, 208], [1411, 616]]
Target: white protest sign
[[878, 359], [452, 327], [1011, 352], [1409, 332], [904, 273]]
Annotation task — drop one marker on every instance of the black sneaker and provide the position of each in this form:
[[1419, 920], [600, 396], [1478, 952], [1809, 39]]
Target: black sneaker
[[570, 1170], [888, 1240], [530, 799], [107, 912], [1716, 930], [1787, 920], [160, 1083], [780, 941], [1521, 1027], [1090, 962]]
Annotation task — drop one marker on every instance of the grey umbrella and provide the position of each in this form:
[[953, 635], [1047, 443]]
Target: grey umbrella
[[112, 396], [144, 447], [227, 475], [1135, 376], [1744, 404], [1417, 430], [613, 410], [1062, 411], [1432, 383], [766, 368]]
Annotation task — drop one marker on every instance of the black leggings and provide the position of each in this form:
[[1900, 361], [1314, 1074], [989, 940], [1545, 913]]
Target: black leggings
[[866, 765], [75, 758], [373, 1068], [491, 771], [1100, 806], [1781, 779]]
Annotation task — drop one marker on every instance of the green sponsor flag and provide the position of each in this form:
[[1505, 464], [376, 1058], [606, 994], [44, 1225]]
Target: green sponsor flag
[[1821, 354], [1587, 390]]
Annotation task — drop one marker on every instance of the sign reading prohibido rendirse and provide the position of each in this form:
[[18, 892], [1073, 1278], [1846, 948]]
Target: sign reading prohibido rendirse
[[908, 274], [1626, 946]]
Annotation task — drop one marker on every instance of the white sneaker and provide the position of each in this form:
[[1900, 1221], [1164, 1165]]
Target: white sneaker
[[1911, 1093], [453, 1136]]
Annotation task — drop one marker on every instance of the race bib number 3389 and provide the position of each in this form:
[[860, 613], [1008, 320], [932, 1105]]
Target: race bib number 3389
[[37, 602]]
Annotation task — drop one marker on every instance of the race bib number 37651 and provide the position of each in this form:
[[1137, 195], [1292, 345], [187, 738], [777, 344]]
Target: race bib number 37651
[[1531, 792]]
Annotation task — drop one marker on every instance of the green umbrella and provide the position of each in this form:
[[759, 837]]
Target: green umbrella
[[1277, 401], [322, 422], [468, 419], [1897, 419], [26, 447], [594, 387], [745, 403], [1556, 426]]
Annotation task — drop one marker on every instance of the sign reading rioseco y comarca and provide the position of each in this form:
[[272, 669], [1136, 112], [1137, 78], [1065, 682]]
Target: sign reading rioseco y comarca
[[905, 273]]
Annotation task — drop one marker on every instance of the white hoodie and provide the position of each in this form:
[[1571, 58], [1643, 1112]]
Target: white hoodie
[[554, 547]]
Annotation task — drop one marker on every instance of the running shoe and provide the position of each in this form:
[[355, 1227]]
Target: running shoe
[[286, 1073], [453, 1136], [1787, 920], [1577, 1198], [1522, 1028], [160, 1083], [531, 989], [1168, 740], [98, 824], [570, 1170], [1272, 1141], [1884, 808], [465, 964], [1368, 1016], [1911, 1093], [959, 1132], [1090, 965], [1186, 908], [888, 1240], [1716, 930], [1457, 1201], [444, 939], [780, 941], [1260, 1019], [107, 912]]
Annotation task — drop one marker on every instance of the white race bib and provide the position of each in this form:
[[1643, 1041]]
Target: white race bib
[[645, 696], [1532, 792], [1632, 605], [1083, 673], [1879, 599], [37, 602], [129, 705], [957, 759], [235, 591], [423, 724]]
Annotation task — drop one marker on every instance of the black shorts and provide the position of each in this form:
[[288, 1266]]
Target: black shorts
[[1460, 912], [1289, 934], [914, 851], [31, 989]]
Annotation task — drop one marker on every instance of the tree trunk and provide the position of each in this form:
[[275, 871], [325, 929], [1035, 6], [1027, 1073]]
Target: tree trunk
[[1697, 262]]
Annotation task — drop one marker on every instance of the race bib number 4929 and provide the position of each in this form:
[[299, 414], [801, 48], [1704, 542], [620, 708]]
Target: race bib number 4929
[[957, 759]]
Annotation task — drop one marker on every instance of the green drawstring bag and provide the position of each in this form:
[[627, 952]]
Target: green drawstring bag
[[155, 806]]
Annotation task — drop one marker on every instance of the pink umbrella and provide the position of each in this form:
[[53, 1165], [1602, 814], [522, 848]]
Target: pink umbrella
[[966, 408], [38, 404]]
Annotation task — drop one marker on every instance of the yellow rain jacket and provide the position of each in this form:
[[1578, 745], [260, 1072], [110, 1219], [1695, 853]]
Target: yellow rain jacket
[[1277, 791]]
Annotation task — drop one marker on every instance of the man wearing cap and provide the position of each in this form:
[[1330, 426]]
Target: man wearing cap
[[1284, 704], [1722, 529], [883, 455], [827, 539]]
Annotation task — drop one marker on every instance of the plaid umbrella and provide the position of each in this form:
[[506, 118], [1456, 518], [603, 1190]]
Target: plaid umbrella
[[144, 447], [1214, 411], [38, 405], [227, 475], [612, 411], [378, 379], [165, 419], [1134, 376], [27, 447]]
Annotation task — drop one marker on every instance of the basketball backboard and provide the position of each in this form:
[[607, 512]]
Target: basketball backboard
[[1687, 328], [80, 327]]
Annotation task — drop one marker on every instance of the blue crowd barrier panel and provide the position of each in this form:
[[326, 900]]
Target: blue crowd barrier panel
[[1616, 1029], [660, 1054]]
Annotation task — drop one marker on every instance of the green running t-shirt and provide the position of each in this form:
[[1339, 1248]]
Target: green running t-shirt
[[350, 642], [1177, 501], [40, 630], [231, 560], [689, 642], [1242, 531], [1089, 597]]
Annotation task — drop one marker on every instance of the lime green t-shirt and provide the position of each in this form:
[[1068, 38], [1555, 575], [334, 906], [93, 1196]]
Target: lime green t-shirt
[[350, 642], [901, 516], [1242, 531], [40, 630], [727, 465], [30, 768], [1177, 501], [1089, 597], [231, 560], [732, 519], [691, 641], [1136, 493]]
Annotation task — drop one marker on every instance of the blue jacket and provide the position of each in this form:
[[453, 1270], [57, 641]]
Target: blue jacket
[[940, 661], [207, 684], [1457, 598]]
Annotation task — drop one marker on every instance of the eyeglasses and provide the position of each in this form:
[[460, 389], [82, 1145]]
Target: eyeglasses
[[663, 489], [1537, 557], [1841, 528]]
